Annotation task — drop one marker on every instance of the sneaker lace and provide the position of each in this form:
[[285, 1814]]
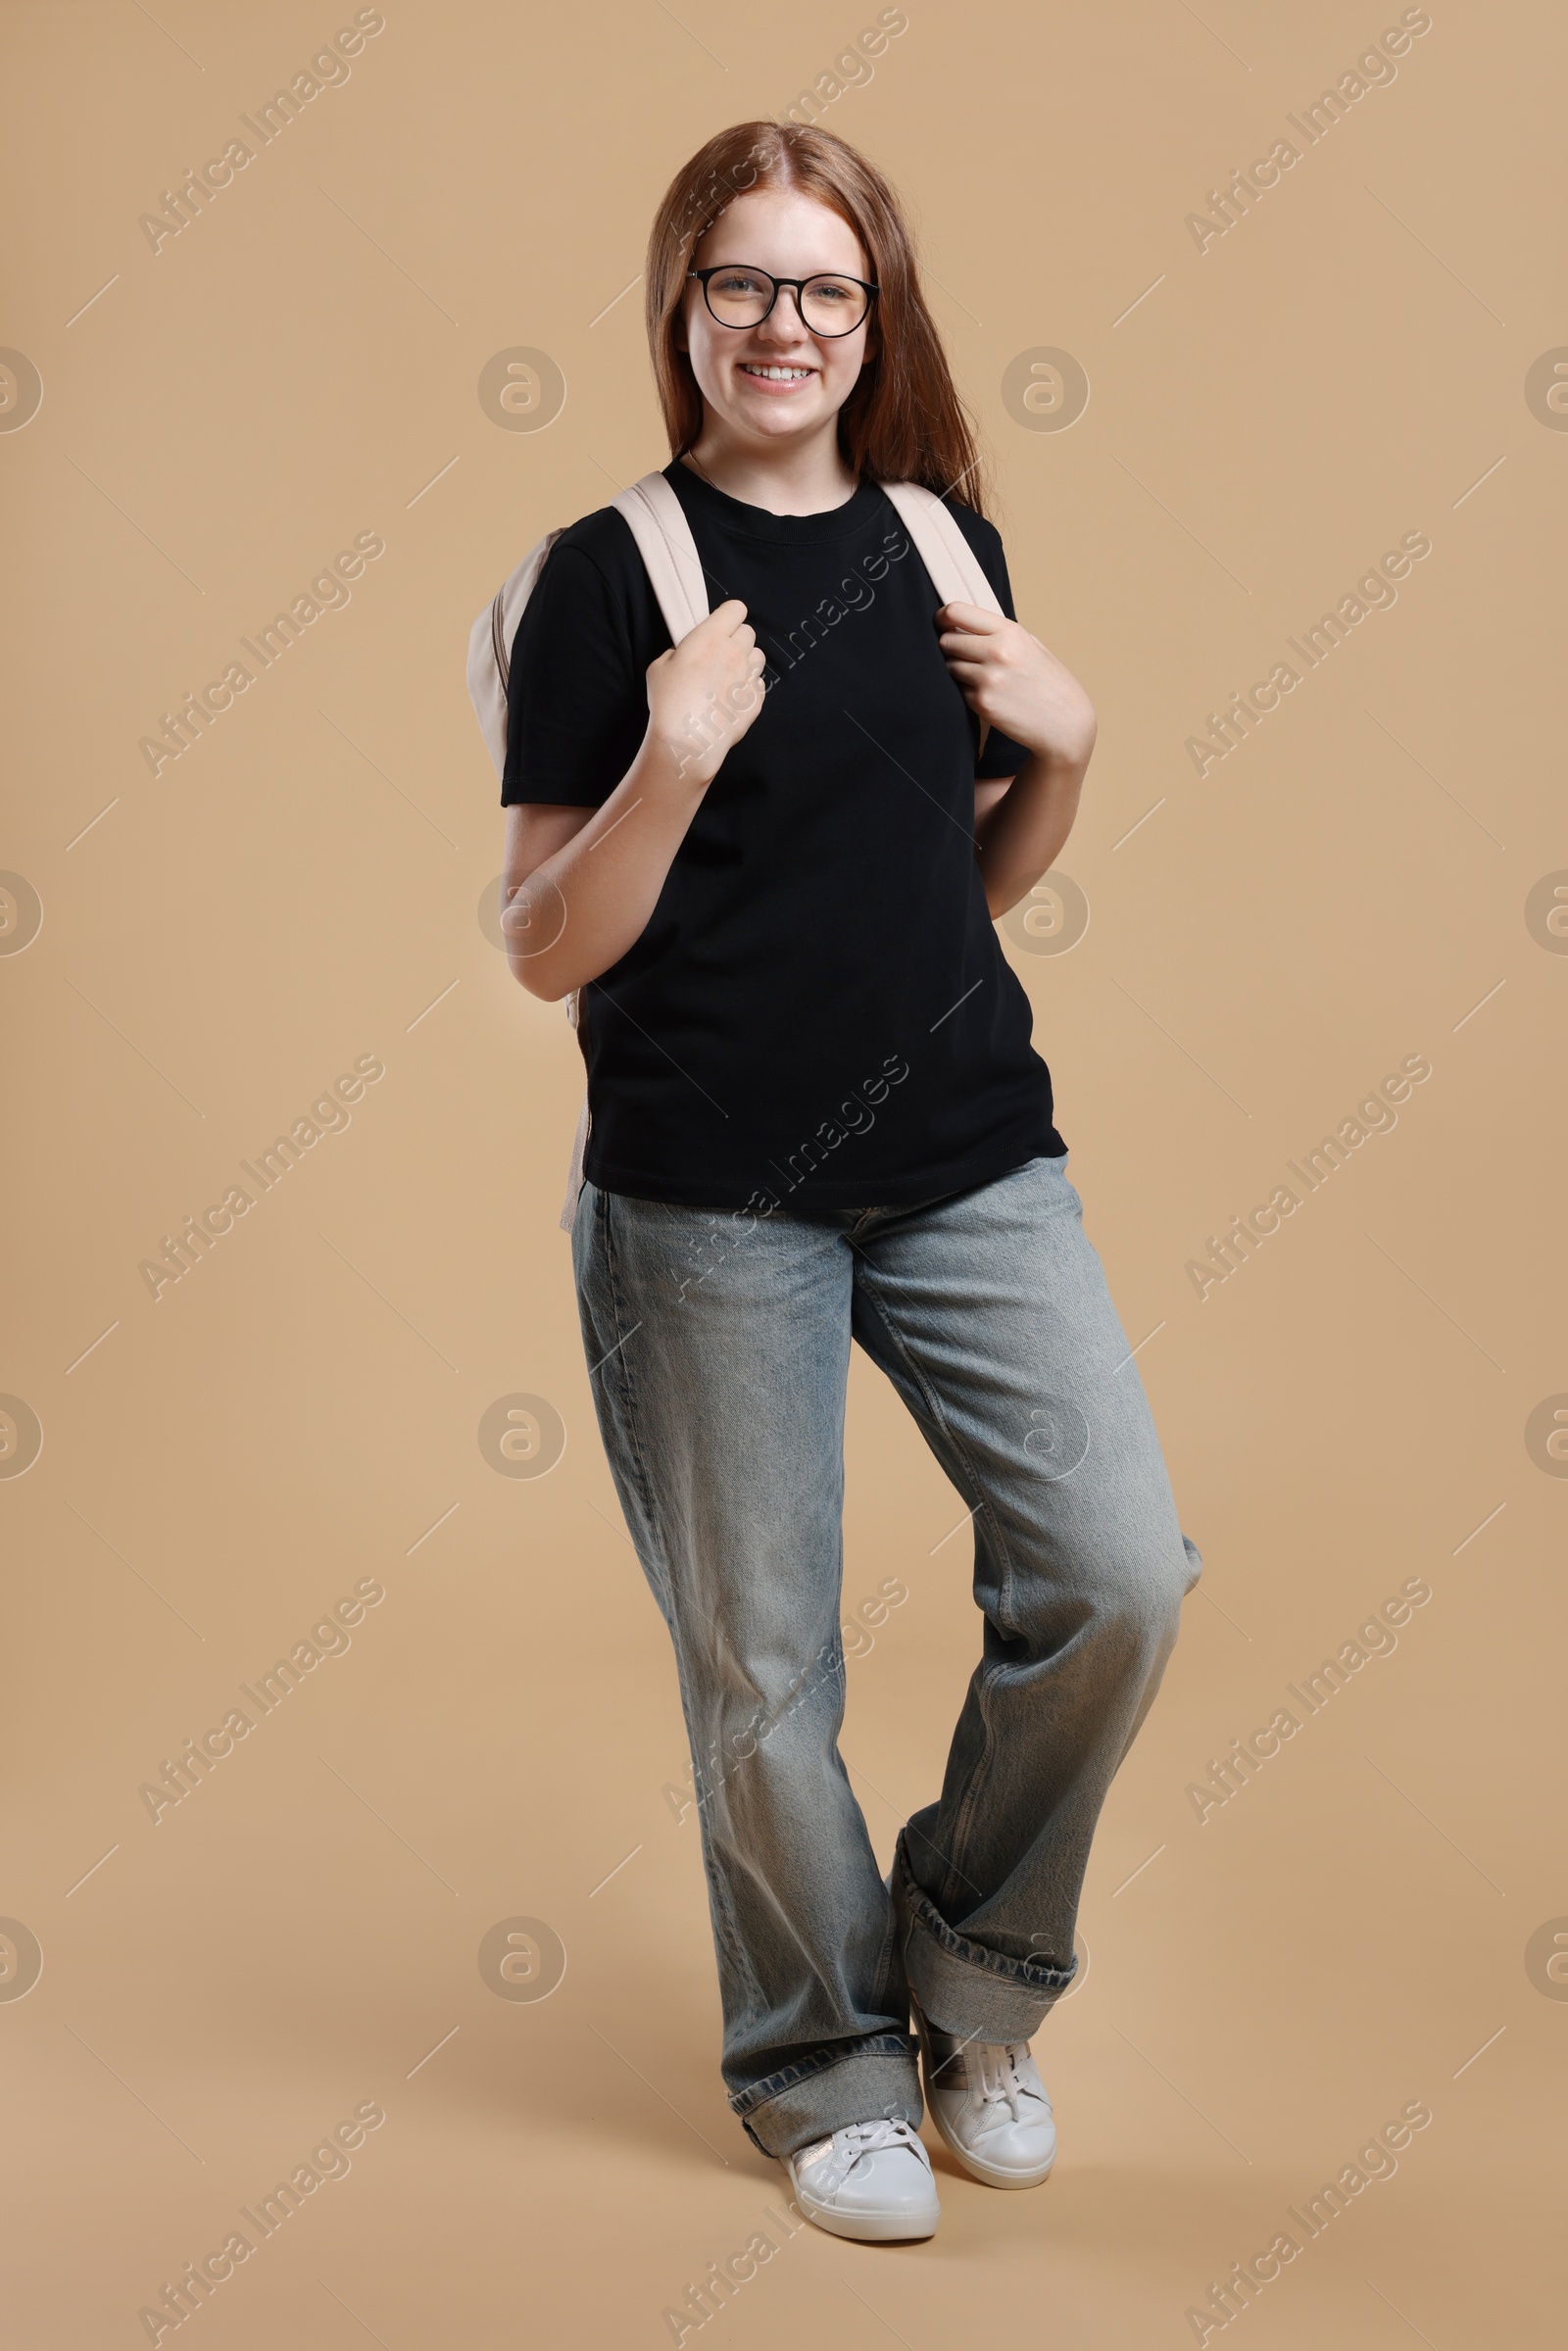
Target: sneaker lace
[[829, 2162], [997, 2064], [866, 2138]]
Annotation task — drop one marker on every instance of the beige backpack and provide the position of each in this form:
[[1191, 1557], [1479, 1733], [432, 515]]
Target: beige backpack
[[658, 523]]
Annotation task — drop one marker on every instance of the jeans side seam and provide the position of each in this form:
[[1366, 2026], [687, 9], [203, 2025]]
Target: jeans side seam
[[629, 1385], [726, 1921]]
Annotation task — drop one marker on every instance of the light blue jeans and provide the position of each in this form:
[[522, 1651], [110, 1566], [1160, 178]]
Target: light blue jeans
[[719, 1347]]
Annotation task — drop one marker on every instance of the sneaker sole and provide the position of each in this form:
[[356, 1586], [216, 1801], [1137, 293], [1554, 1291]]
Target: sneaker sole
[[865, 2227], [989, 2175]]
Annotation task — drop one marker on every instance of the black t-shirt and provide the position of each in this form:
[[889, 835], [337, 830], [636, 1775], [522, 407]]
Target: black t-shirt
[[818, 1012]]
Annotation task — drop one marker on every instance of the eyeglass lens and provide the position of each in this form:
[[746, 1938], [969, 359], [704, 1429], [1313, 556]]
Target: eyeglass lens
[[829, 305]]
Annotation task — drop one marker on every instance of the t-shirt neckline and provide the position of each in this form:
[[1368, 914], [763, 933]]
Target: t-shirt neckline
[[742, 520]]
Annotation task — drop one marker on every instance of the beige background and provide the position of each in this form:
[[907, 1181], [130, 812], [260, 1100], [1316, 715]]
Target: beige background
[[1350, 1934]]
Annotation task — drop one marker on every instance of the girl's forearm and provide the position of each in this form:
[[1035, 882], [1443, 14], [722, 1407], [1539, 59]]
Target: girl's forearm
[[1020, 838], [579, 911]]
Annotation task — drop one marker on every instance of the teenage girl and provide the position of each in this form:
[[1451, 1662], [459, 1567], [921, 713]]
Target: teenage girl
[[771, 860]]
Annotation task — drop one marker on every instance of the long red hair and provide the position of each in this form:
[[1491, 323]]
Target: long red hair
[[904, 420]]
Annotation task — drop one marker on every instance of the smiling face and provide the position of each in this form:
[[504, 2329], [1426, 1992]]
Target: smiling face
[[776, 380]]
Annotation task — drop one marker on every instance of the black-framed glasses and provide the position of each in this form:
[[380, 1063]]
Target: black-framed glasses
[[829, 303]]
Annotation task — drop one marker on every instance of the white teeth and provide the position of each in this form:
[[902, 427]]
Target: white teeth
[[777, 375]]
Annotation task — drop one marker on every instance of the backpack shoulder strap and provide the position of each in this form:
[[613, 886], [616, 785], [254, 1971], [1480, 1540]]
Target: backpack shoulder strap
[[955, 572], [955, 568], [657, 522], [490, 648]]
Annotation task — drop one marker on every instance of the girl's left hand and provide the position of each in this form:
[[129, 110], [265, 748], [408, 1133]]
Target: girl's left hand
[[1017, 684]]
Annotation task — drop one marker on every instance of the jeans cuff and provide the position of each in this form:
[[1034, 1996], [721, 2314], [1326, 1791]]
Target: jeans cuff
[[829, 2088], [962, 1986]]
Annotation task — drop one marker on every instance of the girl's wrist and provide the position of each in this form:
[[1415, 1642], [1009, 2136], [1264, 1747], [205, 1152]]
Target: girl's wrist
[[1057, 759], [672, 765]]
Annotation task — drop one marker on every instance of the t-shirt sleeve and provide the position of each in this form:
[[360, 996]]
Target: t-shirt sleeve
[[1002, 756], [577, 705]]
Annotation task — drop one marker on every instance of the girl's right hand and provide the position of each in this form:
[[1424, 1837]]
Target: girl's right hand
[[706, 692]]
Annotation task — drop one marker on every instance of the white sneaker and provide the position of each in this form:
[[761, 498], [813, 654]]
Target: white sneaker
[[990, 2105], [870, 2181]]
